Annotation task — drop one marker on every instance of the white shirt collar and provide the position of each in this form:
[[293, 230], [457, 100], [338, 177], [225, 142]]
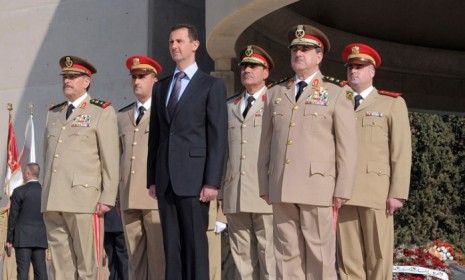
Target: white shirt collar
[[190, 70], [146, 104], [256, 95], [366, 92], [78, 101], [307, 80]]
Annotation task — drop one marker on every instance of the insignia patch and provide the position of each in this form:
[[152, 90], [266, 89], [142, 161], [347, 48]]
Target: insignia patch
[[68, 62], [349, 95], [248, 51], [300, 32], [374, 114], [81, 121], [355, 50], [136, 61]]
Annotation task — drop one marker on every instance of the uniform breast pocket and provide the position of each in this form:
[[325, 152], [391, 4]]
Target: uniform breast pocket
[[375, 128], [317, 120], [257, 121], [279, 117]]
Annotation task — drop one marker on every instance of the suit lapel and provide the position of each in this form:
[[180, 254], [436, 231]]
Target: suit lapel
[[369, 100], [131, 115], [145, 117], [189, 91], [290, 91], [236, 107], [164, 88]]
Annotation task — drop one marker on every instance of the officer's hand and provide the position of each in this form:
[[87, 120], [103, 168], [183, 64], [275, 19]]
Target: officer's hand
[[101, 209], [208, 193], [152, 192], [266, 198], [392, 204], [338, 202]]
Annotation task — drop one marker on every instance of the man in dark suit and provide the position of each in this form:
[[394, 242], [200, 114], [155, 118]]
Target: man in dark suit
[[187, 143], [26, 228], [115, 246]]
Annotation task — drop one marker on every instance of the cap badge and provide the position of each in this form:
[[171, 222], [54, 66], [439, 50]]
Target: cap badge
[[136, 61], [248, 51], [300, 33], [355, 50], [68, 62]]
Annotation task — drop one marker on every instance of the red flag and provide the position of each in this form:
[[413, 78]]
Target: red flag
[[14, 176]]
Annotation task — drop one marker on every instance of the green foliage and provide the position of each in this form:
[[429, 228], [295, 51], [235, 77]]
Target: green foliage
[[436, 205]]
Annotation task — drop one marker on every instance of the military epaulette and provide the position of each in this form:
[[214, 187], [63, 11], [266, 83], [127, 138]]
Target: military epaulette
[[233, 97], [389, 93], [125, 108], [57, 105], [100, 103], [273, 83], [335, 81]]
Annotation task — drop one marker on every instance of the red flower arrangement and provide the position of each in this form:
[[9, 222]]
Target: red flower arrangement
[[434, 256]]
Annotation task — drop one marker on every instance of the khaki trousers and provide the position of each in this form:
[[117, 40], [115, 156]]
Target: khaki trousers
[[305, 242], [365, 243], [251, 241], [144, 242], [214, 254], [72, 245]]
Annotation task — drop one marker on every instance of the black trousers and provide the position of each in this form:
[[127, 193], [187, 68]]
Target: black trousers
[[115, 248], [184, 223], [27, 255]]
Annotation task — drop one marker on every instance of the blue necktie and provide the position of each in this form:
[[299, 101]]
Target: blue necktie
[[358, 99], [175, 93]]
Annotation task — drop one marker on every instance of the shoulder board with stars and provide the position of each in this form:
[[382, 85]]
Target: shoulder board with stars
[[125, 108], [389, 93], [101, 103], [272, 84], [335, 81], [57, 106]]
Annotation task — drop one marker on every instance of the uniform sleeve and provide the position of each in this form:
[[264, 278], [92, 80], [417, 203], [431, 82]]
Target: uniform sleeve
[[264, 149], [400, 150], [107, 137], [346, 146]]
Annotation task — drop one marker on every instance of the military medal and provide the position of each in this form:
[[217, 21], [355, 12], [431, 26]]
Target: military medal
[[374, 114], [277, 100], [81, 121], [349, 95]]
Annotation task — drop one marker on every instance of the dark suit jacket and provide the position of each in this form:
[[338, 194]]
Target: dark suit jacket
[[26, 226], [189, 150]]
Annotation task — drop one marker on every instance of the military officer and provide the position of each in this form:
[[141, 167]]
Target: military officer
[[250, 218], [81, 173], [366, 230], [307, 160], [140, 211]]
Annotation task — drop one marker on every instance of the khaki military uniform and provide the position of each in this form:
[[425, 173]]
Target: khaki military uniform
[[215, 214], [250, 219], [383, 171], [81, 170], [141, 220], [307, 157]]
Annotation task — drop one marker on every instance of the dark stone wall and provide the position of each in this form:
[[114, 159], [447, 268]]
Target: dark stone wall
[[163, 14]]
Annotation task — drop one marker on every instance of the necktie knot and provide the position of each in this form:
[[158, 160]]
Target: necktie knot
[[141, 114], [358, 100], [301, 86], [69, 110], [250, 100], [180, 75]]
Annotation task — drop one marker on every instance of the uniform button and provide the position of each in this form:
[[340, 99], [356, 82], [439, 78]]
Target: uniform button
[[243, 141], [289, 142], [243, 172], [63, 127], [86, 185], [243, 125], [274, 113], [242, 157], [292, 124], [56, 155], [296, 107], [60, 141], [133, 157], [132, 172], [136, 129], [134, 143], [54, 170], [288, 161], [379, 173]]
